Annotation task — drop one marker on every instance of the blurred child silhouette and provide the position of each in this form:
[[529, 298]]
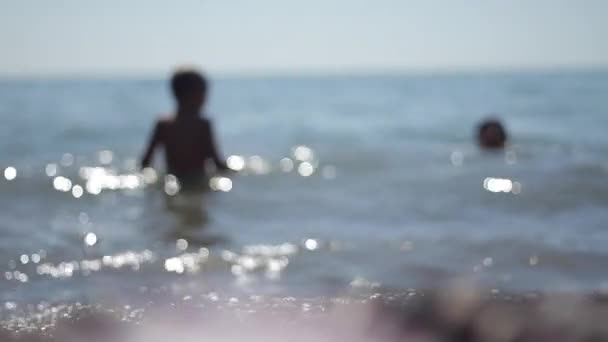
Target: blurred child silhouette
[[187, 137], [491, 134]]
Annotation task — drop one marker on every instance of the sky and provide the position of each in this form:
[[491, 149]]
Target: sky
[[137, 37]]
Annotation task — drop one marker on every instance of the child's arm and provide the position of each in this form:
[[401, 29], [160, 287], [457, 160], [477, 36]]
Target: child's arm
[[215, 155], [153, 141]]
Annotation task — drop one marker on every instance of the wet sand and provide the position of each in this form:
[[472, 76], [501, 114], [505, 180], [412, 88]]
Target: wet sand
[[450, 315]]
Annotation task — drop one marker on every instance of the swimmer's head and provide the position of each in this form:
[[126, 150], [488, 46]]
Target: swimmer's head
[[189, 88], [491, 134]]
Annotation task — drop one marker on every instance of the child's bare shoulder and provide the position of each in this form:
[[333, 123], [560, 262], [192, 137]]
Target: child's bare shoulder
[[165, 119]]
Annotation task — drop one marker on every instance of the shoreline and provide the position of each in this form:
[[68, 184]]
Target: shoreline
[[457, 314]]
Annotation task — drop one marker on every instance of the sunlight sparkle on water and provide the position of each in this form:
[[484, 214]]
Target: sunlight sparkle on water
[[90, 239], [271, 250], [67, 159], [488, 262], [174, 265], [303, 153], [187, 262], [311, 244], [129, 182], [51, 170], [533, 260], [306, 169], [10, 173], [66, 269], [150, 175], [77, 191], [181, 244], [61, 183], [286, 164], [93, 187], [105, 157], [276, 265], [501, 185], [100, 178], [457, 158], [236, 163], [258, 165], [220, 184], [172, 186], [516, 188]]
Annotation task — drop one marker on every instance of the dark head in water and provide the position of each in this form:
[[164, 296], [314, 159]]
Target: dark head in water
[[491, 134], [190, 90]]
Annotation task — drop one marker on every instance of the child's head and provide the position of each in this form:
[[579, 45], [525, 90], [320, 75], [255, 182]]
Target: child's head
[[189, 88], [491, 134]]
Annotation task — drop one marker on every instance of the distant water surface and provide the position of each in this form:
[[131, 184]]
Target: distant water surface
[[349, 183]]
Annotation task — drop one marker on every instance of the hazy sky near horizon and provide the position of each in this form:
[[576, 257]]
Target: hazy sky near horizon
[[152, 36]]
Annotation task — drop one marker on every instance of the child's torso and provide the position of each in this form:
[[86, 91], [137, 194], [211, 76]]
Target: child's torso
[[187, 144]]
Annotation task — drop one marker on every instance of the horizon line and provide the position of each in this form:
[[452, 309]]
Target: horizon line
[[301, 73]]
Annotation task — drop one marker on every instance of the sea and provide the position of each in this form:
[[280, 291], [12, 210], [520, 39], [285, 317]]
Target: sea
[[343, 186]]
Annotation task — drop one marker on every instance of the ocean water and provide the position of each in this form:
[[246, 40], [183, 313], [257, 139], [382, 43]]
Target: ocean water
[[346, 184]]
